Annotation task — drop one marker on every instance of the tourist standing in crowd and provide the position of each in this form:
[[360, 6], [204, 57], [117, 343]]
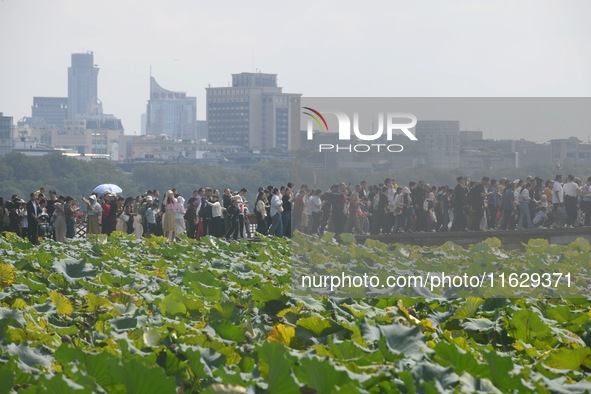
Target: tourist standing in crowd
[[45, 229], [217, 226], [94, 214], [298, 207], [70, 210], [4, 219], [190, 217], [337, 200], [269, 196], [151, 213], [128, 214], [276, 228], [59, 220], [286, 214], [477, 196], [226, 202], [459, 203], [315, 204], [205, 211], [14, 215], [524, 213], [570, 190], [50, 202], [260, 212], [169, 216], [23, 220], [558, 207], [179, 209], [33, 212], [242, 202], [508, 204], [233, 212], [352, 224], [307, 211], [109, 213]]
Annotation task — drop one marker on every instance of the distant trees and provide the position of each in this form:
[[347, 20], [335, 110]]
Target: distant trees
[[20, 174]]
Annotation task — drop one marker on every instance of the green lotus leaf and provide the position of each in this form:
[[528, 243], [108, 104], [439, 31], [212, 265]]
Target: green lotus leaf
[[267, 292], [12, 316], [230, 331], [529, 327], [570, 359], [172, 306], [468, 308], [128, 322], [460, 360], [101, 367], [139, 378], [409, 341], [347, 238], [315, 324], [275, 368], [482, 325], [501, 372], [72, 269], [7, 379], [30, 358], [321, 376]]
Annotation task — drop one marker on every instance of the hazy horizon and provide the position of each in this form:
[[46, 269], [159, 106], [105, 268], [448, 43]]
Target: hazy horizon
[[328, 49]]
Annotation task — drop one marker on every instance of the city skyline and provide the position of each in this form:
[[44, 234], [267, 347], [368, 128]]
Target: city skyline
[[524, 49]]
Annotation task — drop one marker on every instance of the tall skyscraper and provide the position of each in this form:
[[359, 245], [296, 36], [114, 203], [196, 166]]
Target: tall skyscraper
[[82, 86], [5, 134], [50, 111], [253, 113], [171, 113]]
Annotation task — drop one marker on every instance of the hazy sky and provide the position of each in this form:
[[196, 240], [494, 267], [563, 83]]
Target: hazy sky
[[387, 48]]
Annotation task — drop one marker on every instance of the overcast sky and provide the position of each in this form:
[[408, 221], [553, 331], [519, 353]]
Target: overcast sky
[[386, 48]]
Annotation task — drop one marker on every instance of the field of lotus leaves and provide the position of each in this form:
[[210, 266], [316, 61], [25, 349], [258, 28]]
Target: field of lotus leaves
[[121, 315]]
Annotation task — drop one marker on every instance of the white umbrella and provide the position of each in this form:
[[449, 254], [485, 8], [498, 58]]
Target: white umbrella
[[101, 189]]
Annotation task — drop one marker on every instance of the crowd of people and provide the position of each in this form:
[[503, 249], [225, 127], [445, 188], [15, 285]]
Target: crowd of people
[[386, 208]]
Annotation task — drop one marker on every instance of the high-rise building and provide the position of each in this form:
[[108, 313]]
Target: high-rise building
[[201, 130], [253, 113], [83, 86], [5, 134], [171, 113], [50, 111], [440, 141]]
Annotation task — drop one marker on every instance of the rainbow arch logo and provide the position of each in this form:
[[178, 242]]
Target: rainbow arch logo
[[317, 116]]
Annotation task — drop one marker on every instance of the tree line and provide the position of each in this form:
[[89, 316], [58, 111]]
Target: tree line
[[20, 174]]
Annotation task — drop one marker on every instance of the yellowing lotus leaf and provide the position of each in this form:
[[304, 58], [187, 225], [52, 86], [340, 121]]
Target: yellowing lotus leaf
[[62, 304]]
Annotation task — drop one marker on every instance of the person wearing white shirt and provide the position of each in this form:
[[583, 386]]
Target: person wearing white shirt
[[179, 210], [217, 221], [524, 216], [570, 200], [315, 209], [558, 201], [276, 209]]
